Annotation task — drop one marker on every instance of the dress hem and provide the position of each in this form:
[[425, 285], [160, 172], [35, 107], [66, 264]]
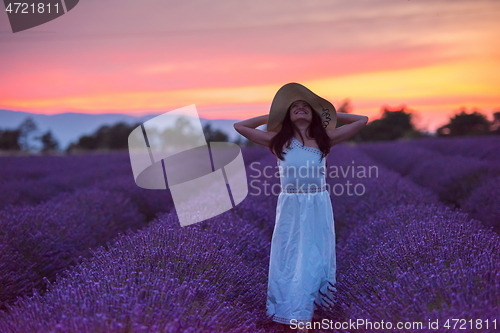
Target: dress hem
[[286, 321]]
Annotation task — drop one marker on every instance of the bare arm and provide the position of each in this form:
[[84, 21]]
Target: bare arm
[[354, 124], [248, 128]]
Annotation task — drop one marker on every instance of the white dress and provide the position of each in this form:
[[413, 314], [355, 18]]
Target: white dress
[[303, 258]]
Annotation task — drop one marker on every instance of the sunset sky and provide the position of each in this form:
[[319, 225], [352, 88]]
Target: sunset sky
[[230, 57]]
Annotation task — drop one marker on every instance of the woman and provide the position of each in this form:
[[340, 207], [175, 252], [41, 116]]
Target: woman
[[300, 132]]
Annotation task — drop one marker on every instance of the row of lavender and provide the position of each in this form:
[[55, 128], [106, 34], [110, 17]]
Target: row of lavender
[[34, 179], [212, 276], [481, 147], [95, 204], [207, 277], [403, 256], [466, 182]]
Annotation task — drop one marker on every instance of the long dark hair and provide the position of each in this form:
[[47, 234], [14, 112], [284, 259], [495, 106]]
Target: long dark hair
[[315, 130]]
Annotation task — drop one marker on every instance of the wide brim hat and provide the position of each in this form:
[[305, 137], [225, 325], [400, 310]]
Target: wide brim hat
[[292, 92]]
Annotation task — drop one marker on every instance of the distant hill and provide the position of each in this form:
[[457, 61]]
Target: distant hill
[[68, 127]]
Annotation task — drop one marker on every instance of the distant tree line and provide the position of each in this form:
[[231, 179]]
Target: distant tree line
[[399, 124], [392, 125], [116, 137], [107, 137], [475, 123], [19, 139]]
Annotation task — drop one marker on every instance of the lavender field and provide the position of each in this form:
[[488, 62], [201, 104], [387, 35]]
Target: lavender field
[[83, 249]]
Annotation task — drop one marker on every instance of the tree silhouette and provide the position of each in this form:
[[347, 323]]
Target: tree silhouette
[[106, 137], [49, 143], [465, 124], [27, 127], [345, 107], [182, 135], [116, 137], [495, 125], [9, 140], [391, 126], [214, 135]]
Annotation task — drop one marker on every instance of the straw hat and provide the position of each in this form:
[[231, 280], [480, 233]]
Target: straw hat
[[292, 92]]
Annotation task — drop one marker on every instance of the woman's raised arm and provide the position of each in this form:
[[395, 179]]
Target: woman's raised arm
[[248, 128], [354, 124]]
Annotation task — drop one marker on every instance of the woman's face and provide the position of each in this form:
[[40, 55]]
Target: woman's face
[[300, 110]]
